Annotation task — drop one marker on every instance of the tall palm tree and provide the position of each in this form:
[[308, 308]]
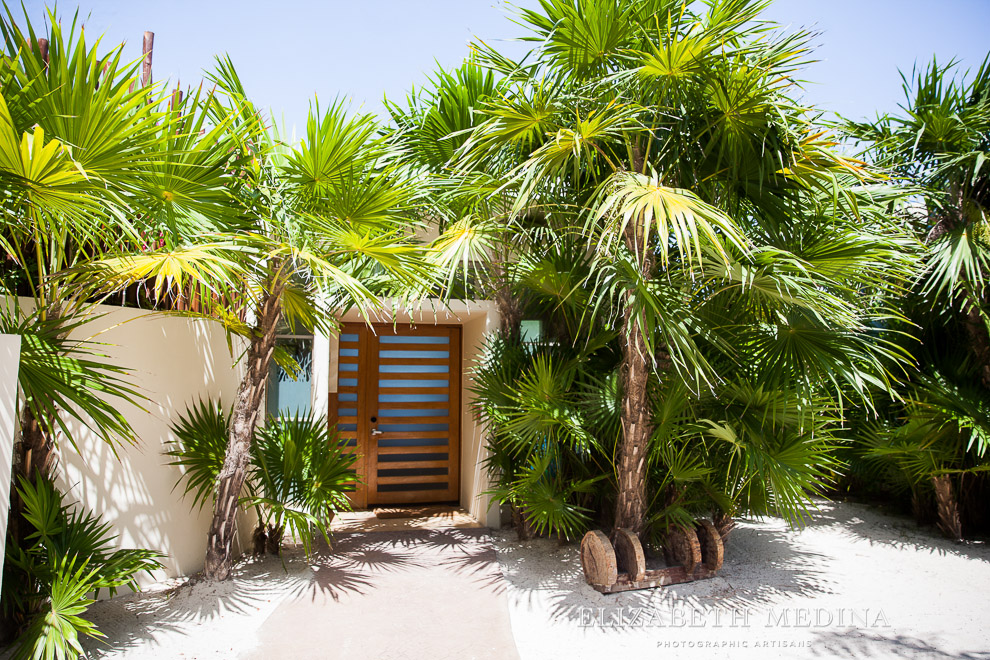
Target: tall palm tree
[[469, 207], [939, 145], [672, 126], [321, 226], [77, 147]]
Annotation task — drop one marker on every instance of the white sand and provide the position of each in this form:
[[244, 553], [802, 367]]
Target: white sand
[[853, 584], [902, 592]]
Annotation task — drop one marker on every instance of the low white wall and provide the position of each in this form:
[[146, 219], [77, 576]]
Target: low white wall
[[10, 351], [174, 361]]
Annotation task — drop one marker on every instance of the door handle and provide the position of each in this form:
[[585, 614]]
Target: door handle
[[376, 432]]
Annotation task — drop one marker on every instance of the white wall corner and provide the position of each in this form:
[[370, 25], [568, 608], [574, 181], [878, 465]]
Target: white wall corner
[[10, 354], [321, 375]]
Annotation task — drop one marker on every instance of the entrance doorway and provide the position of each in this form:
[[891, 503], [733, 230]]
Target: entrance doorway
[[398, 406]]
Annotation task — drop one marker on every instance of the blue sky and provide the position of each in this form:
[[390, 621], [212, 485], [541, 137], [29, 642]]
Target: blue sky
[[288, 50]]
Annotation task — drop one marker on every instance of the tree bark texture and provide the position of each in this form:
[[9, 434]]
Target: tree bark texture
[[637, 418], [244, 419], [509, 311], [948, 509]]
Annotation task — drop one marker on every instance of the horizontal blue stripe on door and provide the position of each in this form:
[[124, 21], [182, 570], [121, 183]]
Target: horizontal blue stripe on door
[[413, 368], [411, 442], [406, 339], [412, 428], [393, 488], [348, 352], [347, 382], [410, 412], [402, 458], [349, 337], [413, 472], [410, 383], [348, 367], [408, 398], [414, 355], [347, 397]]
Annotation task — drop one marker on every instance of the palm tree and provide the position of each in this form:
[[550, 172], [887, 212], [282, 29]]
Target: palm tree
[[77, 148], [91, 163], [468, 208], [939, 146], [321, 227], [721, 221]]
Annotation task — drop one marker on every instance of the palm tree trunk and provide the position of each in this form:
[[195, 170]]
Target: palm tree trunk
[[943, 222], [637, 418], [35, 453], [724, 524], [510, 313], [510, 316], [948, 508], [36, 450], [637, 426], [243, 422], [979, 341]]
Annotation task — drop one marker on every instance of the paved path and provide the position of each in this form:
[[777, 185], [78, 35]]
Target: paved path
[[432, 594]]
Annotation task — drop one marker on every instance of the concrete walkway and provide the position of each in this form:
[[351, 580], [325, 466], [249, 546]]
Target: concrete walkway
[[404, 594]]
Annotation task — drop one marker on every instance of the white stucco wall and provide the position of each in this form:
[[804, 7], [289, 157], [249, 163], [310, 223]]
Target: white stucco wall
[[175, 361], [10, 350]]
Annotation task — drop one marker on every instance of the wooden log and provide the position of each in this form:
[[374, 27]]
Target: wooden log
[[598, 560], [712, 550], [629, 555], [146, 47], [43, 50], [682, 548], [653, 579]]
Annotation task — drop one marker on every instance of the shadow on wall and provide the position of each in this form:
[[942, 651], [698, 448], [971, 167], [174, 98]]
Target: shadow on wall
[[174, 361], [474, 477]]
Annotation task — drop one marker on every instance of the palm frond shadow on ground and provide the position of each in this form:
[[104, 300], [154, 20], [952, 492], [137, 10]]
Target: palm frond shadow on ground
[[897, 531], [875, 645], [784, 570], [356, 560], [252, 584], [481, 565]]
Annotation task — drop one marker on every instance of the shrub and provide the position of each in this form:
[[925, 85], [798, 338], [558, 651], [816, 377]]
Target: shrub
[[52, 579], [298, 477]]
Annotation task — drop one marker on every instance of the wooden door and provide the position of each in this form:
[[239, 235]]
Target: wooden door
[[398, 406]]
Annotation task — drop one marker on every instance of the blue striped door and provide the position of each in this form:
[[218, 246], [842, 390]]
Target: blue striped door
[[398, 406]]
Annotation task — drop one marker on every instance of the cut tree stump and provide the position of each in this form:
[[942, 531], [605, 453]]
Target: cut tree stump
[[629, 555], [695, 554], [712, 550], [598, 559]]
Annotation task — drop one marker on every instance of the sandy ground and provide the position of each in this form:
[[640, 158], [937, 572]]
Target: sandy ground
[[853, 584], [393, 595]]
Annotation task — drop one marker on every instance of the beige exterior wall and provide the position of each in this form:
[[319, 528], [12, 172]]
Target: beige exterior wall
[[10, 352], [175, 361]]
